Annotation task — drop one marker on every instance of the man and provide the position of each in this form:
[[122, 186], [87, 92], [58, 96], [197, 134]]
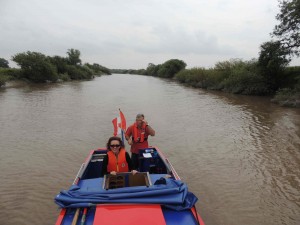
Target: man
[[137, 136]]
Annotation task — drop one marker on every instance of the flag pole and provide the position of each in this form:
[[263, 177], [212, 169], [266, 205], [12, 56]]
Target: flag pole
[[123, 123], [122, 136]]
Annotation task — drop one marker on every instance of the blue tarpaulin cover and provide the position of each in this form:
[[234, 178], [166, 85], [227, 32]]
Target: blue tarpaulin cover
[[174, 194]]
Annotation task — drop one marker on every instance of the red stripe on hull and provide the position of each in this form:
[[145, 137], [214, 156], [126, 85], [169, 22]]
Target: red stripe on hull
[[60, 217], [199, 217]]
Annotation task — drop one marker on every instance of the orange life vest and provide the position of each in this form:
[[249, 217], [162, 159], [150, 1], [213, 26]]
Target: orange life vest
[[117, 163], [136, 137]]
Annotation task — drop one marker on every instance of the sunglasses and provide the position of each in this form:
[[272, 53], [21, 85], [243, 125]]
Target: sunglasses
[[114, 146]]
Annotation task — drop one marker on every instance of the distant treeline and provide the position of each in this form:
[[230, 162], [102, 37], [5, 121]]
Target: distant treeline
[[254, 77], [39, 68], [165, 70]]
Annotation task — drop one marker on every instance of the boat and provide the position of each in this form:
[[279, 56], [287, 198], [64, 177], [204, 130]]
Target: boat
[[155, 195]]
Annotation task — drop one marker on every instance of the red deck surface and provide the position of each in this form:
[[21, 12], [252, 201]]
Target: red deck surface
[[129, 215]]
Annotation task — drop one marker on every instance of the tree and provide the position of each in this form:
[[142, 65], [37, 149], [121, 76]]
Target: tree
[[3, 63], [36, 66], [152, 69], [98, 69], [288, 31], [74, 57], [60, 63], [271, 62], [170, 68], [79, 72]]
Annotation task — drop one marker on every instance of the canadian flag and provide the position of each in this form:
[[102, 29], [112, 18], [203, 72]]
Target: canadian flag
[[119, 124]]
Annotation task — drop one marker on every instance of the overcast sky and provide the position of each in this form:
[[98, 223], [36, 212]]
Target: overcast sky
[[130, 34]]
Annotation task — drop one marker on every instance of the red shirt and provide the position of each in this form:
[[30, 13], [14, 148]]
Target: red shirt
[[137, 145]]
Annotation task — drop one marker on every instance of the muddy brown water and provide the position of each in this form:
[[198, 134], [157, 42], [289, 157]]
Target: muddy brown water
[[240, 155]]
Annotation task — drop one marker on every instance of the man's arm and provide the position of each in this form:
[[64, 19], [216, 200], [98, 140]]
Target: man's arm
[[150, 130]]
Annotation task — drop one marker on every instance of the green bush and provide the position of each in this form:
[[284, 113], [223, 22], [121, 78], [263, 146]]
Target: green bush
[[241, 77], [233, 76], [64, 77], [12, 72], [152, 69], [7, 74], [245, 82], [79, 72], [291, 77], [87, 72], [183, 75], [288, 97], [41, 72], [59, 62], [36, 67], [195, 77], [170, 68], [3, 79], [213, 80], [73, 72], [98, 69]]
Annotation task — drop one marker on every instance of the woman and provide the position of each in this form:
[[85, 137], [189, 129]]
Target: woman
[[117, 159]]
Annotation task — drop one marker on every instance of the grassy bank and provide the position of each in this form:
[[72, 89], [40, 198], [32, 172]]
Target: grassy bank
[[288, 97], [73, 73], [240, 77], [8, 74]]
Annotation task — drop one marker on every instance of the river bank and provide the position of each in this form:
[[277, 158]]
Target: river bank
[[233, 76], [285, 97], [16, 84]]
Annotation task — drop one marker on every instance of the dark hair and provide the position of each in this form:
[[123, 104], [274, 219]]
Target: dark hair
[[140, 115], [114, 139]]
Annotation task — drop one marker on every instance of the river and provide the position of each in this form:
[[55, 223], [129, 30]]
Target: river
[[240, 155]]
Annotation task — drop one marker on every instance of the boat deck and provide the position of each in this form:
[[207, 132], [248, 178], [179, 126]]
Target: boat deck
[[131, 212]]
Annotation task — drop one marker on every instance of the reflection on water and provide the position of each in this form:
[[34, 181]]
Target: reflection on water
[[238, 154]]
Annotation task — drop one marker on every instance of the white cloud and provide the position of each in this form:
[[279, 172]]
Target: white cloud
[[133, 33]]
